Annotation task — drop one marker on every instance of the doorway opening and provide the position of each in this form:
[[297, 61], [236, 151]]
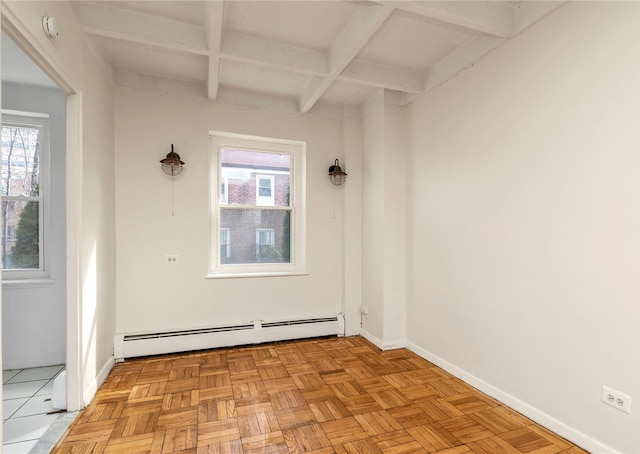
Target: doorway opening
[[33, 234]]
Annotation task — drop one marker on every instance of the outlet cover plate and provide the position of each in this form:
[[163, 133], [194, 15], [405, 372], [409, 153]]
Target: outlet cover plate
[[616, 399]]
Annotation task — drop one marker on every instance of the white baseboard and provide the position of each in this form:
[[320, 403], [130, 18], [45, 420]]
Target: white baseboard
[[92, 389], [371, 338], [575, 436], [382, 345]]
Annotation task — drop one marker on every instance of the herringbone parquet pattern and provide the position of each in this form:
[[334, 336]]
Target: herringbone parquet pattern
[[338, 395]]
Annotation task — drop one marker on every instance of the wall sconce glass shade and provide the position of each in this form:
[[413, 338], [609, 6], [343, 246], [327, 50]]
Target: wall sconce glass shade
[[336, 174], [172, 165]]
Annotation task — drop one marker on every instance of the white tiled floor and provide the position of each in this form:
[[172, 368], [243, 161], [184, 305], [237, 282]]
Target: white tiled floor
[[26, 400]]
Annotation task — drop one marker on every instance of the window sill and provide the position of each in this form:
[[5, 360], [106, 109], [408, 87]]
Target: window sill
[[27, 283], [256, 274]]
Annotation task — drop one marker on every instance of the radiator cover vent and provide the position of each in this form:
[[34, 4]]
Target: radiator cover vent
[[188, 332], [129, 345], [299, 322]]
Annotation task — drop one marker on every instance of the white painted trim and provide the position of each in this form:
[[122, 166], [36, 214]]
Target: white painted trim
[[213, 33], [27, 283], [257, 274], [101, 376], [381, 344], [394, 344], [371, 338], [354, 37], [575, 436], [493, 18], [114, 22], [74, 252], [1, 409]]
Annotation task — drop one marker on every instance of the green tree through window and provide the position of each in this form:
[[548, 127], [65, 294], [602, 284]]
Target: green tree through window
[[23, 188], [26, 252]]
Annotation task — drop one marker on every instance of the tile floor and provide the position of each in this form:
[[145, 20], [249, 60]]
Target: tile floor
[[26, 402]]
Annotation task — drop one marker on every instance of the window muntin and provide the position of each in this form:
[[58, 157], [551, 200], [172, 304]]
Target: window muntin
[[24, 190], [259, 194]]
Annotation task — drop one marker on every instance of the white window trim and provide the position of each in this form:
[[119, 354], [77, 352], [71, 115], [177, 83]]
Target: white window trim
[[297, 151], [41, 121]]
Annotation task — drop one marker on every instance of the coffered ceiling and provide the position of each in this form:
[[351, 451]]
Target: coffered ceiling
[[297, 55]]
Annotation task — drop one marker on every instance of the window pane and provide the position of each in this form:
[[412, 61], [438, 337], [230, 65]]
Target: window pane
[[20, 235], [239, 168], [259, 236], [20, 161]]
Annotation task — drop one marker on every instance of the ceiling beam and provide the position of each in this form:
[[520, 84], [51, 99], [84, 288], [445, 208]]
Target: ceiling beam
[[260, 100], [213, 33], [491, 20], [104, 20], [241, 47], [135, 81], [528, 13], [363, 72], [218, 45], [494, 18], [459, 59], [362, 26]]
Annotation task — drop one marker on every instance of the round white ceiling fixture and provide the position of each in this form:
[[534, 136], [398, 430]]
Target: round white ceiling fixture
[[50, 27]]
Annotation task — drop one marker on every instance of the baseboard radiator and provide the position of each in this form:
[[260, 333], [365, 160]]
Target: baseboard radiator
[[162, 342]]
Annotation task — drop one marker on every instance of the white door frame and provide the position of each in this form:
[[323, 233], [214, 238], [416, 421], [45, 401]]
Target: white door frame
[[20, 34]]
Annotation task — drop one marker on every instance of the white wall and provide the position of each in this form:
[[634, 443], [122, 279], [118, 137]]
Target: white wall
[[154, 296], [525, 222], [372, 214], [34, 317], [70, 61], [394, 221], [98, 247], [384, 214], [352, 220]]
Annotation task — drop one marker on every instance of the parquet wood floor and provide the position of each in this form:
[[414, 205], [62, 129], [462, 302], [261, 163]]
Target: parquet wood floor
[[337, 395]]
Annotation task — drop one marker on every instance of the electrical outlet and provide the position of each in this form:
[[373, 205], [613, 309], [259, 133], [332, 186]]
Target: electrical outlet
[[171, 259], [616, 399]]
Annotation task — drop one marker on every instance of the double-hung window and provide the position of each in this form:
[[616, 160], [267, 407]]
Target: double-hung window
[[24, 190], [257, 206]]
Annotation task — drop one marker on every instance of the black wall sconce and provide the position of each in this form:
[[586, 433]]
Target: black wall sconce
[[172, 164], [336, 174]]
